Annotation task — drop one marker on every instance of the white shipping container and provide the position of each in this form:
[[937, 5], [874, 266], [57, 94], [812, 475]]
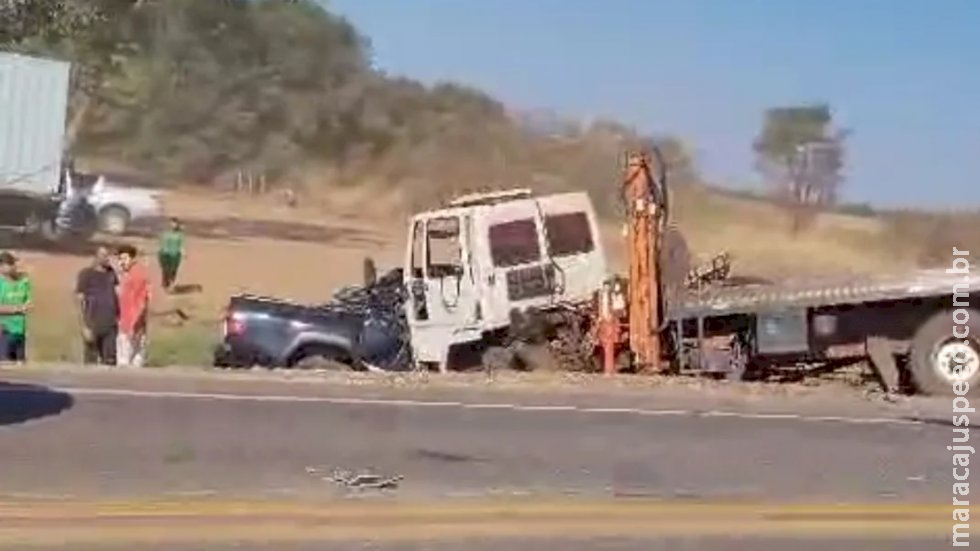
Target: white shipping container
[[33, 112]]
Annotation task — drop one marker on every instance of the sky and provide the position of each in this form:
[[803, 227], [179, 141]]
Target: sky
[[902, 75]]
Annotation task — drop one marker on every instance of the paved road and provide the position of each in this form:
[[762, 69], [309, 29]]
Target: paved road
[[128, 437]]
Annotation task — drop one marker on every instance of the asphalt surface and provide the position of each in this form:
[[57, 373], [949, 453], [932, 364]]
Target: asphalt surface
[[126, 436], [117, 440]]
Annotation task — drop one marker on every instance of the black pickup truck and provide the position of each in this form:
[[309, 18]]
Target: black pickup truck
[[361, 328]]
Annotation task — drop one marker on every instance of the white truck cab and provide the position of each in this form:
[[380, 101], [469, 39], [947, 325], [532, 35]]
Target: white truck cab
[[468, 265]]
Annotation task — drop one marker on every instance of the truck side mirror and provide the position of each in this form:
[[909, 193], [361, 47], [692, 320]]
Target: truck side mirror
[[370, 272]]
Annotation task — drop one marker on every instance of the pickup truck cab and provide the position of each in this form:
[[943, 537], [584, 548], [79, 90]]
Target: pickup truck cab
[[361, 328]]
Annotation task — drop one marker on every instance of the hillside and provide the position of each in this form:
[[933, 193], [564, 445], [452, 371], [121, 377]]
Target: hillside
[[195, 91]]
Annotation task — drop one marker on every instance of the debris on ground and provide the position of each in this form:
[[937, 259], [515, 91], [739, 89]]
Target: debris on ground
[[361, 480]]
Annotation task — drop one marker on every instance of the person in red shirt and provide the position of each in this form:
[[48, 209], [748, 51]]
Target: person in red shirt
[[134, 302]]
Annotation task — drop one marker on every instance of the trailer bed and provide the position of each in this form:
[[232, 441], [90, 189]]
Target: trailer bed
[[723, 300]]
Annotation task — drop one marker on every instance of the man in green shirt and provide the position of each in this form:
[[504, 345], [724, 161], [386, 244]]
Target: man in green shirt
[[15, 301], [171, 253]]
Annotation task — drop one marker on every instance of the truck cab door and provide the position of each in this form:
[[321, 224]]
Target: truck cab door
[[519, 274], [442, 306]]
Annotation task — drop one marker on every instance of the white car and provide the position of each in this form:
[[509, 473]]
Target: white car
[[118, 206]]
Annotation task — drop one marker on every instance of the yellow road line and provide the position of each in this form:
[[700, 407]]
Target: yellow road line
[[213, 521]]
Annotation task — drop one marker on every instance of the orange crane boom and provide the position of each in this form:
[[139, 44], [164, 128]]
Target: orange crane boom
[[643, 207]]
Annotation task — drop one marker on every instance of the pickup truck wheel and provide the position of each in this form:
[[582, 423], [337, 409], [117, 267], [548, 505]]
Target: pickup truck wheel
[[318, 358], [936, 353], [114, 220]]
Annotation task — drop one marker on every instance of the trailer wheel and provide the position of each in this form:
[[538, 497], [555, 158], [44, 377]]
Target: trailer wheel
[[936, 352]]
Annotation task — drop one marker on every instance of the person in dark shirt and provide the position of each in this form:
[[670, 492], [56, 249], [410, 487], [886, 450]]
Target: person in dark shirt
[[98, 309]]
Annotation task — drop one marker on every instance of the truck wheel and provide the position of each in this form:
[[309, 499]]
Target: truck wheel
[[318, 358], [114, 220], [936, 351]]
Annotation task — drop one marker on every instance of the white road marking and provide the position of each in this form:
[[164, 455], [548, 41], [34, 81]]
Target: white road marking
[[623, 410], [881, 421], [640, 411], [547, 408], [90, 391], [827, 418], [770, 415], [487, 406]]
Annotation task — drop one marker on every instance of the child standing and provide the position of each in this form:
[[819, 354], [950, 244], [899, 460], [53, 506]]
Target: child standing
[[171, 253], [15, 301]]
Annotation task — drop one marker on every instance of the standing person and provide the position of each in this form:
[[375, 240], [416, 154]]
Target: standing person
[[98, 308], [15, 301], [171, 253], [134, 301]]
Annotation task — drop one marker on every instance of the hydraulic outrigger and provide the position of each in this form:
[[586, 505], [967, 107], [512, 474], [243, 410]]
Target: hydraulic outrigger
[[638, 321]]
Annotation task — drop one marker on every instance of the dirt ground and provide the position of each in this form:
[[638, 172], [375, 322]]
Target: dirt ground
[[259, 245]]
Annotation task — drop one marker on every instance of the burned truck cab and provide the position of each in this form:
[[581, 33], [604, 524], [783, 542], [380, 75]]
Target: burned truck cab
[[471, 265]]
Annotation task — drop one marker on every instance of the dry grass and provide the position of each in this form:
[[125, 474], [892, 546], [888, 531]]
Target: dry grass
[[758, 236], [359, 224]]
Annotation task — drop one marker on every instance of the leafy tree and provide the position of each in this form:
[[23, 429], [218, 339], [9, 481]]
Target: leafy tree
[[21, 20], [802, 155]]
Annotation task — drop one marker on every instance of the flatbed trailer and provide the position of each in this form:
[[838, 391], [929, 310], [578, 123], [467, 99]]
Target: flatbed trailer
[[904, 324]]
